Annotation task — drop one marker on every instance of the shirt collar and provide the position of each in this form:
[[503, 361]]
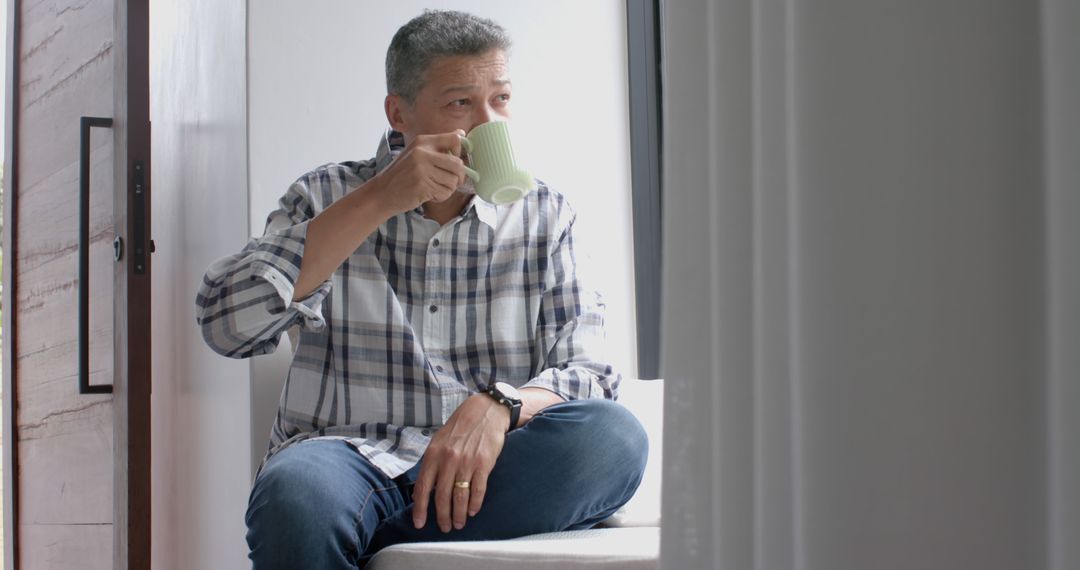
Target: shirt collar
[[485, 211], [391, 146]]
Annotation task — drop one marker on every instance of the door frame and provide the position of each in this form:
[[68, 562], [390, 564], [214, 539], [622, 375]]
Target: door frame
[[11, 452], [131, 428], [132, 369], [646, 165], [131, 391]]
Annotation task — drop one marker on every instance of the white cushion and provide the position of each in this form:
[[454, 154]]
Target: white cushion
[[645, 398], [615, 548]]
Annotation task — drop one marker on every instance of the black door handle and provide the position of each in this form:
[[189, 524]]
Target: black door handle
[[84, 255]]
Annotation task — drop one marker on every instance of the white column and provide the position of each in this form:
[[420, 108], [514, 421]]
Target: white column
[[861, 289], [707, 318], [1061, 43]]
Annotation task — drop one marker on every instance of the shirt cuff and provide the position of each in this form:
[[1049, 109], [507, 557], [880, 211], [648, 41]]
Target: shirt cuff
[[277, 261], [570, 384], [309, 308]]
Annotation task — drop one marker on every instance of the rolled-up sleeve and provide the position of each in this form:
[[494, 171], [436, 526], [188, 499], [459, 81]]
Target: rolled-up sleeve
[[245, 300], [570, 332]]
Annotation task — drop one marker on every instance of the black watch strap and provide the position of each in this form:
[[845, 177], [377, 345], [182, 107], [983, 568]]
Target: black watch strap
[[513, 405], [515, 415]]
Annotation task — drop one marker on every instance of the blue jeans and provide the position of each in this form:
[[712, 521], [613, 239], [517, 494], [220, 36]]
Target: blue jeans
[[321, 505]]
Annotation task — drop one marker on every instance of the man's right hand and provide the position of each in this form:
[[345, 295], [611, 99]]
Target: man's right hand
[[429, 169]]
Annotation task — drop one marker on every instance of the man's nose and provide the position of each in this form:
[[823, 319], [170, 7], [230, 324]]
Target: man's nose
[[483, 114]]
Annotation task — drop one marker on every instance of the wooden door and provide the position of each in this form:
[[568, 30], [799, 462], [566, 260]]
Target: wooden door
[[77, 286]]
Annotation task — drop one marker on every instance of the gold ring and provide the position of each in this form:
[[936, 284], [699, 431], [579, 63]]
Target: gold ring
[[461, 484]]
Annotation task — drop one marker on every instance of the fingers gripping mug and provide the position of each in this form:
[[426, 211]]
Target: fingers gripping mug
[[495, 172]]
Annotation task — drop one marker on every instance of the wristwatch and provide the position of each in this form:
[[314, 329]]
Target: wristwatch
[[508, 396]]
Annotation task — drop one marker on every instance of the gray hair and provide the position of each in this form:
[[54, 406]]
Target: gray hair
[[434, 34]]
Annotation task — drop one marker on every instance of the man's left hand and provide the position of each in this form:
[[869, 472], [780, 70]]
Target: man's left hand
[[464, 452]]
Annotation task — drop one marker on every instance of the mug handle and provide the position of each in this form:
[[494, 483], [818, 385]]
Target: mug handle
[[467, 145]]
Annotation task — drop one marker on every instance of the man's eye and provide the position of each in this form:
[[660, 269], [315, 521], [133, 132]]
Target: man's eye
[[503, 98], [459, 103]]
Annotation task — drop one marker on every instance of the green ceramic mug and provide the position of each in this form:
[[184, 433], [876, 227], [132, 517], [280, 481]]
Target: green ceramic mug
[[495, 172]]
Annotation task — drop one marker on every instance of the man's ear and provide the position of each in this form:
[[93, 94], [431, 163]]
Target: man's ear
[[397, 112]]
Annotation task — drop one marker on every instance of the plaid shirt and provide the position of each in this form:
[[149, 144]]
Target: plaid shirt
[[416, 320]]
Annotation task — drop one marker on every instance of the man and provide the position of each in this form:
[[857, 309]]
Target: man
[[446, 384]]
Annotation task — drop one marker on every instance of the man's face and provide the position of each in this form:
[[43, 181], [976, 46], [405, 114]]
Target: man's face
[[459, 92]]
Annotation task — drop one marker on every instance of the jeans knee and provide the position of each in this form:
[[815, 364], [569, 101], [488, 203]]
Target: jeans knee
[[302, 512], [626, 435], [295, 488], [613, 439], [274, 494]]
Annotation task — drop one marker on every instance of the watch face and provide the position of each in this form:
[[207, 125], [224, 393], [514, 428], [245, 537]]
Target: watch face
[[507, 390]]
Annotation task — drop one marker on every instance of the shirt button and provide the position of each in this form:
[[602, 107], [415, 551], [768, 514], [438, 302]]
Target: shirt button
[[435, 243], [433, 308], [440, 369], [426, 432]]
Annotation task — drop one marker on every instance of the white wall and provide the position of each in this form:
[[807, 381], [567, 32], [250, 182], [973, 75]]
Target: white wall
[[200, 472], [316, 89]]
